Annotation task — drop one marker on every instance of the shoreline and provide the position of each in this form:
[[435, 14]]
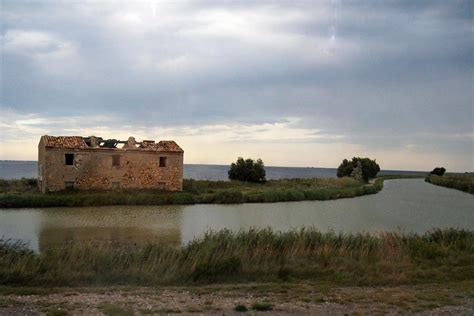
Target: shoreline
[[464, 183], [23, 193]]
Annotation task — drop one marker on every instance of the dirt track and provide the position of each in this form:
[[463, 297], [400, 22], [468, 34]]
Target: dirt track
[[283, 299]]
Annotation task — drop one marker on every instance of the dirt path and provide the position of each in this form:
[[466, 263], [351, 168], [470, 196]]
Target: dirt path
[[280, 298]]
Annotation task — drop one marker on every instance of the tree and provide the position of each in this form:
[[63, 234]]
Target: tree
[[369, 167], [357, 172], [438, 171], [247, 170], [345, 169]]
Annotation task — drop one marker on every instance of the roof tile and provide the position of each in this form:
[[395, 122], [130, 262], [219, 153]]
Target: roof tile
[[70, 142]]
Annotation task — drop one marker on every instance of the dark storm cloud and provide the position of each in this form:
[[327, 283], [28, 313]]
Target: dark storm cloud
[[380, 73]]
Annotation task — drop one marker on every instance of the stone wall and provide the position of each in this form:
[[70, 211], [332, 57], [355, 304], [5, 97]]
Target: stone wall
[[93, 169], [41, 165]]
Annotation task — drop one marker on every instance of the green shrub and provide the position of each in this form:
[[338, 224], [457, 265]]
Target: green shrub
[[240, 308], [247, 170], [262, 307], [369, 167], [439, 171]]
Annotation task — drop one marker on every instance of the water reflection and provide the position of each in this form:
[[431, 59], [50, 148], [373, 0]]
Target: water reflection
[[403, 205], [122, 224]]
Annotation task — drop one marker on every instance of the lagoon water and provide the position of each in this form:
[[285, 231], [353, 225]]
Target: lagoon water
[[10, 169], [408, 205]]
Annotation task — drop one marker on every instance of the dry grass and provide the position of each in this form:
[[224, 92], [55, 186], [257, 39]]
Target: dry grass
[[254, 255]]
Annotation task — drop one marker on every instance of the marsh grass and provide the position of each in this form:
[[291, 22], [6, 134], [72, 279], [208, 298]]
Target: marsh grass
[[459, 182], [20, 194], [254, 255], [18, 185]]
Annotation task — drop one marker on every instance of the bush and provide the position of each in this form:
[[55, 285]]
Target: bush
[[262, 307], [369, 168], [247, 170], [240, 308], [438, 171]]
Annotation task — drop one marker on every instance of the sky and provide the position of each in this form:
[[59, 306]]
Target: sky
[[295, 83]]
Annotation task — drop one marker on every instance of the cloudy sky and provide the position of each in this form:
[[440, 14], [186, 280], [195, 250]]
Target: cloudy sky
[[296, 83]]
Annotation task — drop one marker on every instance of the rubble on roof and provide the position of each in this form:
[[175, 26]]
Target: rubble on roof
[[78, 142], [164, 145]]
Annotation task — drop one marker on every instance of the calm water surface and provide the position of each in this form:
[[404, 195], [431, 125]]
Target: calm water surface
[[403, 205], [11, 169]]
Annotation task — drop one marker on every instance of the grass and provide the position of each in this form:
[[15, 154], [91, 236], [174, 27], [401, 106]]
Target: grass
[[254, 255], [114, 309], [22, 193], [18, 185], [240, 308], [262, 306], [459, 182]]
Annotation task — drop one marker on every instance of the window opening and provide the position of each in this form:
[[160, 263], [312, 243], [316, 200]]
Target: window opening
[[68, 185], [69, 158], [162, 161], [116, 160]]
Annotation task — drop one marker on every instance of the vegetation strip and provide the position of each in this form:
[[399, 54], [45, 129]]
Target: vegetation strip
[[459, 182], [254, 255], [24, 193]]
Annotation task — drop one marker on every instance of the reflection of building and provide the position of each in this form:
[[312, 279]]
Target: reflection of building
[[128, 225], [94, 163]]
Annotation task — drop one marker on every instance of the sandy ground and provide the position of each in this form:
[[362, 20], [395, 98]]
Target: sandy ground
[[281, 298]]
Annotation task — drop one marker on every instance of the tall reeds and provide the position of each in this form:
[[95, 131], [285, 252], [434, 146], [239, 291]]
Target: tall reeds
[[253, 255]]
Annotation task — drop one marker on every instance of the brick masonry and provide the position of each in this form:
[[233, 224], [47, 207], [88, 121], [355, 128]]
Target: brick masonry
[[137, 165]]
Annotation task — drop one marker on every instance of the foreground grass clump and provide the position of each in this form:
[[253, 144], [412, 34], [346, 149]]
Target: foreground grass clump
[[254, 255], [19, 193], [262, 307], [459, 182], [241, 308]]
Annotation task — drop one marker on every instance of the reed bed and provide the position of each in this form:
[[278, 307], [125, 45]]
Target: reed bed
[[459, 182], [256, 255], [16, 195]]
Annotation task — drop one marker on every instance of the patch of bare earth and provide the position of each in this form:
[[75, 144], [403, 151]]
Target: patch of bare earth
[[274, 298]]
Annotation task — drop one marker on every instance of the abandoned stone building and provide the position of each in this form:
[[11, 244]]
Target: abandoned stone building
[[84, 163]]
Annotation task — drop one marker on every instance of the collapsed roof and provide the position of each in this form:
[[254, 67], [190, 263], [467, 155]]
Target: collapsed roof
[[79, 142]]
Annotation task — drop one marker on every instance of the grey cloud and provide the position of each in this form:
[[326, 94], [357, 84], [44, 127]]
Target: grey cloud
[[395, 68]]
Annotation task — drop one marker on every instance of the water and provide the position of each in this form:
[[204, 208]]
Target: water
[[29, 169], [403, 205]]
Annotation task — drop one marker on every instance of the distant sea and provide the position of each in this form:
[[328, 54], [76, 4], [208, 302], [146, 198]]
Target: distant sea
[[15, 169]]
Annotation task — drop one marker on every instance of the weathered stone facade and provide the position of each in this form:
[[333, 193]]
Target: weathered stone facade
[[93, 163]]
